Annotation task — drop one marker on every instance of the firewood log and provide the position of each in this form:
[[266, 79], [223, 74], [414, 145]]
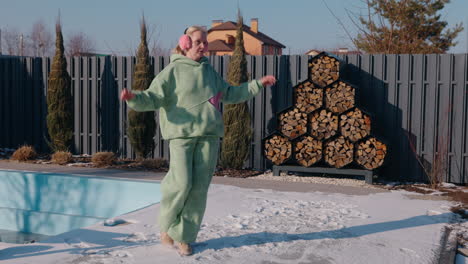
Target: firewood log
[[308, 97], [355, 125], [293, 123], [339, 152], [370, 153], [324, 70], [339, 97], [308, 151], [323, 124], [277, 149]]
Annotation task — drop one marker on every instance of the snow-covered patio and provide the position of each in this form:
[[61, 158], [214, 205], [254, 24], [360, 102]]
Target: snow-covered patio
[[260, 225]]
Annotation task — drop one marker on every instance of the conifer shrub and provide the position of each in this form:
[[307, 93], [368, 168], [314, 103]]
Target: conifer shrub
[[237, 120], [59, 99], [142, 125]]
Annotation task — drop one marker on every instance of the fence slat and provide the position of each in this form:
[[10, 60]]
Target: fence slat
[[458, 117], [407, 96]]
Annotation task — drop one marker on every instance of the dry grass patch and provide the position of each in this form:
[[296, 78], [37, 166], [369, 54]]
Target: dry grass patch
[[61, 157], [24, 153], [101, 159], [157, 163]]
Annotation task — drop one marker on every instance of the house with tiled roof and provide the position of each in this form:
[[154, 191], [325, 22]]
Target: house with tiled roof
[[222, 37]]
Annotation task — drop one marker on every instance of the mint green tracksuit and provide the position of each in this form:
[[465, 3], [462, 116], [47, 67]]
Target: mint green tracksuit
[[193, 127]]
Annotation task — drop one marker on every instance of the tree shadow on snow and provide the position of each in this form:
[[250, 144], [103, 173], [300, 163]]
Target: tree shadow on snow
[[347, 232], [96, 242]]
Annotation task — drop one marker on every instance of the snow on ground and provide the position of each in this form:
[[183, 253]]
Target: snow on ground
[[264, 226]]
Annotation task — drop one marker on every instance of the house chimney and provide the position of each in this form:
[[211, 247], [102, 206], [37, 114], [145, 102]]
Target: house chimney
[[254, 25], [215, 23]]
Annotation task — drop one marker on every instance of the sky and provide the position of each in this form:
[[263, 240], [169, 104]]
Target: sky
[[300, 25]]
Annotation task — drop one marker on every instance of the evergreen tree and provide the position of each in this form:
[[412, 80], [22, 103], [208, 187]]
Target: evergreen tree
[[59, 99], [142, 125], [237, 127], [405, 26]]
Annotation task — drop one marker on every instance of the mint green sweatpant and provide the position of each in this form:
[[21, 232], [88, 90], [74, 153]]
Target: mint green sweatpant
[[185, 186]]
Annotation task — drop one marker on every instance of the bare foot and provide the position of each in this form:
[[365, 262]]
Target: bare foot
[[166, 239], [184, 249]]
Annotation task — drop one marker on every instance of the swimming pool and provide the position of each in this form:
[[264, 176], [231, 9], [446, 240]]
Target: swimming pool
[[51, 203]]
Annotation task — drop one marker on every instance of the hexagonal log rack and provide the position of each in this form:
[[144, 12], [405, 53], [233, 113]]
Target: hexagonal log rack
[[324, 127]]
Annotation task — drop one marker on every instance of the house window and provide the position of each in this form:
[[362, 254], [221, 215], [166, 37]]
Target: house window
[[265, 50]]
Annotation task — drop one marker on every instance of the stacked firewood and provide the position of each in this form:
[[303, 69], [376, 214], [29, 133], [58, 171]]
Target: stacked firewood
[[278, 149], [339, 152], [293, 123], [355, 125], [308, 151], [339, 97], [324, 70], [370, 153], [308, 97], [324, 126]]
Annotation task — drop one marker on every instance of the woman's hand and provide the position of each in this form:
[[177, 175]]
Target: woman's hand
[[268, 80], [126, 95]]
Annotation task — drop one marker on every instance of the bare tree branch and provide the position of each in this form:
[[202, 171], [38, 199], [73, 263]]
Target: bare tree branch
[[340, 23], [40, 39], [79, 43]]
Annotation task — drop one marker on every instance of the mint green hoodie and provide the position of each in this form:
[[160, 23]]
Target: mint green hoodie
[[181, 92]]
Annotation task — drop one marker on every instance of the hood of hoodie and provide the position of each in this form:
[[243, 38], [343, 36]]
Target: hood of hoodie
[[193, 82], [178, 58]]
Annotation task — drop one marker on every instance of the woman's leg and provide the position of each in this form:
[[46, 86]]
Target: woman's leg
[[205, 156], [177, 183]]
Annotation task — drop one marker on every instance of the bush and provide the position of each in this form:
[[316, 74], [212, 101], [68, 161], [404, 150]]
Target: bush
[[154, 163], [59, 99], [24, 153], [103, 159], [61, 157], [141, 125]]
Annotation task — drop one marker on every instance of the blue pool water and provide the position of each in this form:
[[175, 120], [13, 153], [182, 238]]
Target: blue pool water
[[47, 204]]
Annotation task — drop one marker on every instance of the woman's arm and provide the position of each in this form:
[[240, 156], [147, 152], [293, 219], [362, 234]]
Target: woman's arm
[[245, 91], [148, 100]]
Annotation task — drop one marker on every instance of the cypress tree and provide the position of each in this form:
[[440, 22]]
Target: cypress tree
[[237, 127], [59, 99], [142, 125]]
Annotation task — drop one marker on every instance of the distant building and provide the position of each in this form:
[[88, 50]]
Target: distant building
[[222, 37], [340, 51]]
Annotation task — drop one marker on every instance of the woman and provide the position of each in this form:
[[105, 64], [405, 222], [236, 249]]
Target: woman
[[187, 93]]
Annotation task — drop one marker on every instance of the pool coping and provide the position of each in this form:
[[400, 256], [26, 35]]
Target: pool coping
[[158, 176]]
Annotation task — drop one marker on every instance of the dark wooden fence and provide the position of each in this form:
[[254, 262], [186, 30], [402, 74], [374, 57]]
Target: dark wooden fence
[[418, 104]]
